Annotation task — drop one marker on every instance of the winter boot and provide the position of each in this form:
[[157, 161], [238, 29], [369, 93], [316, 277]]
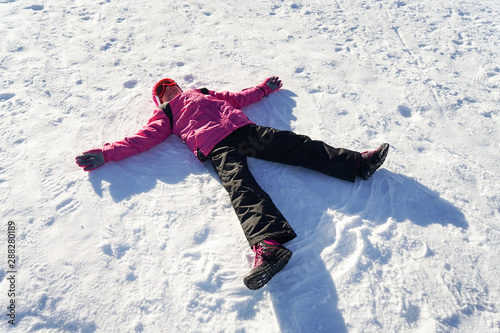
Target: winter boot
[[372, 160], [270, 258]]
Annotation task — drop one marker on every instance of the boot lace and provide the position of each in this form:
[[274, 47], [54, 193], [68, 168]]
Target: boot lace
[[259, 251]]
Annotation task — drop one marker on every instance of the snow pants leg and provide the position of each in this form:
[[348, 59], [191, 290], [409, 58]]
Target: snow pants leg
[[259, 217]]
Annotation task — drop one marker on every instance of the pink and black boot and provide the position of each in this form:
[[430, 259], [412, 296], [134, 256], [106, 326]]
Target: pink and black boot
[[372, 160], [270, 258]]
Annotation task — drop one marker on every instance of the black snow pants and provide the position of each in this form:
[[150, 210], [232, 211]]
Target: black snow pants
[[259, 217]]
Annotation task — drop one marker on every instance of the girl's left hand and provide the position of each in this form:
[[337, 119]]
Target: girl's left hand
[[274, 83]]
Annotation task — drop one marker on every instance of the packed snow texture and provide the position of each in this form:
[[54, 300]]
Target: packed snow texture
[[151, 243]]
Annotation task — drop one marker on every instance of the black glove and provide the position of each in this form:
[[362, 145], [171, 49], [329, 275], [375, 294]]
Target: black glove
[[91, 159], [274, 83]]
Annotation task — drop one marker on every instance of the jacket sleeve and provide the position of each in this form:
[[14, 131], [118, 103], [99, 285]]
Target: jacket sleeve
[[157, 130], [244, 97]]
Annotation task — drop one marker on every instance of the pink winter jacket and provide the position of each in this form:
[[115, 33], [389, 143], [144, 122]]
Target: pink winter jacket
[[201, 120]]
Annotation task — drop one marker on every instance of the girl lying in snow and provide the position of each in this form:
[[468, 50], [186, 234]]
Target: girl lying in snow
[[215, 129]]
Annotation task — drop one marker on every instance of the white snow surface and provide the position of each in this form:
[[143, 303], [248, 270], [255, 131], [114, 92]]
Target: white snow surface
[[152, 244]]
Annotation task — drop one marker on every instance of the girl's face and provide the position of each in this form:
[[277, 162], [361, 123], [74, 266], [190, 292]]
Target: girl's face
[[170, 92]]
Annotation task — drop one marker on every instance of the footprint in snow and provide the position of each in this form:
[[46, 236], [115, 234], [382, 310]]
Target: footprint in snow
[[35, 7], [130, 84], [404, 111], [6, 96]]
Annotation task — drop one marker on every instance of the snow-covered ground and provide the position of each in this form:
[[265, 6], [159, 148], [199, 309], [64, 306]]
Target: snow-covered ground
[[151, 243]]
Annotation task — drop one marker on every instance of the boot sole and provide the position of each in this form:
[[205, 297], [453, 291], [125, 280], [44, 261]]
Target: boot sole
[[258, 279]]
